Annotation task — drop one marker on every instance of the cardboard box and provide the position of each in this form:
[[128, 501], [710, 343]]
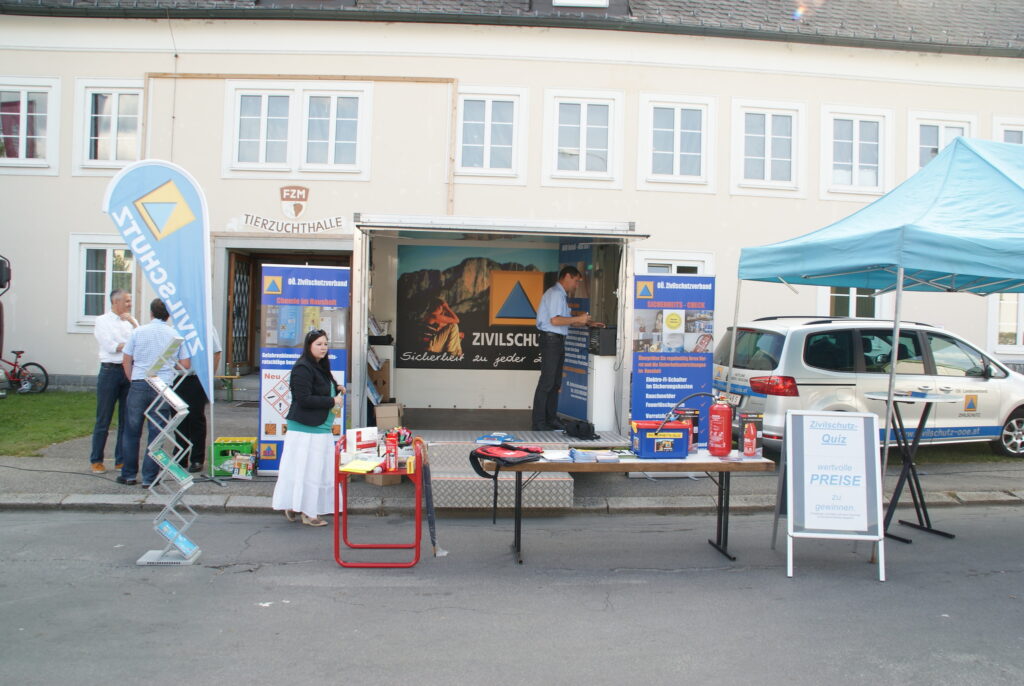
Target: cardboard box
[[363, 438], [693, 416], [388, 415], [384, 479], [672, 442], [381, 379], [751, 443]]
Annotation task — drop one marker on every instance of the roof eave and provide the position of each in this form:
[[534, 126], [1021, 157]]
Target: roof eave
[[563, 21]]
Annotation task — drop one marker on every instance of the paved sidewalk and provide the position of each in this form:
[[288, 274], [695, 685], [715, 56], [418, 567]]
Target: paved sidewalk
[[61, 479]]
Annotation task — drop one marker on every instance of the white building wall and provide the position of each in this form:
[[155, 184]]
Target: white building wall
[[411, 129]]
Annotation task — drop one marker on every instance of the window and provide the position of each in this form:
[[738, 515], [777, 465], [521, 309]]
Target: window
[[99, 264], [108, 121], [490, 139], [1008, 130], [332, 124], [931, 132], [832, 350], [1010, 318], [582, 138], [953, 358], [876, 347], [857, 152], [298, 128], [673, 145], [766, 148], [28, 128], [673, 262], [851, 302], [579, 3]]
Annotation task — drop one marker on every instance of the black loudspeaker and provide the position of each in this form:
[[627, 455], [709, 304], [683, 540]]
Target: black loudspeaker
[[602, 341], [5, 272]]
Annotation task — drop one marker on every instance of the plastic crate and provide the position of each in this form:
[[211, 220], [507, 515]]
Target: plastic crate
[[223, 451]]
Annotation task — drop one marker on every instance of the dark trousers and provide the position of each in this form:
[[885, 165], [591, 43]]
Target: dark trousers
[[194, 425], [111, 389], [139, 398], [545, 398]]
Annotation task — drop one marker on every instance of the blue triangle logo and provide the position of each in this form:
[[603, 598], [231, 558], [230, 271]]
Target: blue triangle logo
[[160, 212], [645, 291], [516, 305]]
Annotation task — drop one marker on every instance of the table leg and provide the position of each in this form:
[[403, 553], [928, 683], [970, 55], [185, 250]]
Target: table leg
[[901, 443], [517, 544], [924, 522], [721, 541]]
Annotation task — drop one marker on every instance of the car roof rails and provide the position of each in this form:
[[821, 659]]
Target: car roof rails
[[818, 319]]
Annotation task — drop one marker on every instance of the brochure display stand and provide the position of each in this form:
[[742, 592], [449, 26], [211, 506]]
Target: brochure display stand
[[168, 447]]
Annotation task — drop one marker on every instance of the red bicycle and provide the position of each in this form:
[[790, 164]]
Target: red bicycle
[[26, 378]]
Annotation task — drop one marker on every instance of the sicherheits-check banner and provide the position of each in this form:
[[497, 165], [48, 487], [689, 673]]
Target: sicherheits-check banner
[[161, 213]]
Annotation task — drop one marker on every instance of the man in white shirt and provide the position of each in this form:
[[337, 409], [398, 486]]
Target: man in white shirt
[[112, 331]]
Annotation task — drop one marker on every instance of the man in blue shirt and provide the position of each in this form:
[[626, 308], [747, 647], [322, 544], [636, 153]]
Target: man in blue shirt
[[143, 349], [553, 320]]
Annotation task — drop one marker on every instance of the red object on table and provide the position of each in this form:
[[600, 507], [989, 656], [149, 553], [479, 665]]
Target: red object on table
[[414, 472]]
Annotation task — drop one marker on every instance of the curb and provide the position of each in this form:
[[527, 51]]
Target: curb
[[387, 505]]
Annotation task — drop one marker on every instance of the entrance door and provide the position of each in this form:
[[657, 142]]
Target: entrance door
[[238, 347]]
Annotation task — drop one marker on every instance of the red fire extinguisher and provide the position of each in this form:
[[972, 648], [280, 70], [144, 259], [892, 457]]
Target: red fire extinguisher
[[720, 428]]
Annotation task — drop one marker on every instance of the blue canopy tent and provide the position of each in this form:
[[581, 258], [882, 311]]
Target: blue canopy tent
[[957, 225]]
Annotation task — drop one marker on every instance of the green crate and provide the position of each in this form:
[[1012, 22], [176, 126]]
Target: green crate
[[223, 451]]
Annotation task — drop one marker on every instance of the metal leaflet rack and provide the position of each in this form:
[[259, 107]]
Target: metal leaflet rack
[[167, 411]]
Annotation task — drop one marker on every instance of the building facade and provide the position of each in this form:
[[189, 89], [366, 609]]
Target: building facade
[[674, 132]]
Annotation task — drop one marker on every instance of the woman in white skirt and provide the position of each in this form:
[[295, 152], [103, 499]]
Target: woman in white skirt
[[305, 482]]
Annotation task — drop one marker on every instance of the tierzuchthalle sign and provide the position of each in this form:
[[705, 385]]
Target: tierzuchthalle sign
[[832, 479]]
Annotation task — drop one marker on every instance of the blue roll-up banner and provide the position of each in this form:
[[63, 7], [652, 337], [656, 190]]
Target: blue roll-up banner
[[673, 344], [161, 213], [296, 299], [572, 396]]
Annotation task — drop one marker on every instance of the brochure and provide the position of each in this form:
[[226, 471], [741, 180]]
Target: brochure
[[363, 463]]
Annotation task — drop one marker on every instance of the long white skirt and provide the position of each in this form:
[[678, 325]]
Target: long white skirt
[[305, 480]]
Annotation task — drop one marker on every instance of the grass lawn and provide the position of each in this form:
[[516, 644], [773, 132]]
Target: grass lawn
[[33, 421]]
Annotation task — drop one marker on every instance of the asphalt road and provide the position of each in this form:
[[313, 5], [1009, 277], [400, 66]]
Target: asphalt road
[[622, 599]]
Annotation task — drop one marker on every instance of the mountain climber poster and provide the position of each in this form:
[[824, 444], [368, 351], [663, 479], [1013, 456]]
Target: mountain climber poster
[[470, 308]]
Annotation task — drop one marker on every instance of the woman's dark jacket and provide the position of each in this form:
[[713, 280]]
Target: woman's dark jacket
[[311, 393]]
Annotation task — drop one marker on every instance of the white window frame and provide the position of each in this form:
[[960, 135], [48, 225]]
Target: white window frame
[[551, 174], [886, 151], [993, 327], [49, 165], [579, 3], [703, 261], [78, 243], [1000, 125], [646, 179], [295, 165], [969, 122], [796, 187], [486, 175], [885, 305], [81, 165]]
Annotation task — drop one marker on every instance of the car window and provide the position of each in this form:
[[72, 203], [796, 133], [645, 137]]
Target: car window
[[876, 346], [953, 358], [830, 350], [754, 349]]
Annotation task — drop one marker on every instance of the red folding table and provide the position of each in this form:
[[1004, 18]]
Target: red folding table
[[410, 470]]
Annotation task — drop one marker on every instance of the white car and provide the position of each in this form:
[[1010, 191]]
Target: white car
[[829, 363]]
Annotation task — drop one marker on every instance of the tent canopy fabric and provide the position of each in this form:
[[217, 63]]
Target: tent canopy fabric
[[957, 225]]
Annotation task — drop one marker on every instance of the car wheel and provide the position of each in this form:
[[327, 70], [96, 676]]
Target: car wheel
[[1011, 439]]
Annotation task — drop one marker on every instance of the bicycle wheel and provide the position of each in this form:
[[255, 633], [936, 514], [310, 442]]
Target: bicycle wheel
[[34, 378]]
